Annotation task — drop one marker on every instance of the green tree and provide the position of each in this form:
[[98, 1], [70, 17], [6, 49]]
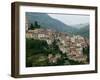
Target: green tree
[[31, 26], [36, 24], [86, 52]]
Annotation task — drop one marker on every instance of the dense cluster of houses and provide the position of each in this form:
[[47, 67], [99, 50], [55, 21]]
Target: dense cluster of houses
[[72, 46]]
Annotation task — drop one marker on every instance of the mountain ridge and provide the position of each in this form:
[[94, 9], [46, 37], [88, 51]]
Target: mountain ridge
[[48, 22]]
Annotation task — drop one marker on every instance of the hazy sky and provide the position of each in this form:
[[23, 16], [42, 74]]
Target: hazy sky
[[71, 19]]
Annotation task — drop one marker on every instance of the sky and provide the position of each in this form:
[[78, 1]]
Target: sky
[[71, 19]]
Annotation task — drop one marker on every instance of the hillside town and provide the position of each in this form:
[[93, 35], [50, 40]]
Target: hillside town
[[74, 47], [71, 46]]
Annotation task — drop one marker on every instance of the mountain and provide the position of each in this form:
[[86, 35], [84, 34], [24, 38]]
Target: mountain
[[45, 21], [48, 22], [81, 25], [84, 30]]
